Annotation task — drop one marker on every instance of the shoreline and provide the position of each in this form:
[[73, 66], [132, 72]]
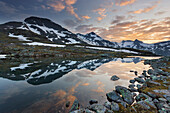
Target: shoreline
[[152, 88]]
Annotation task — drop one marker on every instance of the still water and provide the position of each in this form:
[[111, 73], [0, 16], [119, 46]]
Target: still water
[[45, 85]]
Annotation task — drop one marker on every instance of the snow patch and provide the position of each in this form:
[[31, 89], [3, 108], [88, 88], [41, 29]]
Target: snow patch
[[20, 37], [2, 56], [44, 44]]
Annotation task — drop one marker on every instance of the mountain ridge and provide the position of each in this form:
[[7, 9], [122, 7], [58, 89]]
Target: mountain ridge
[[46, 29]]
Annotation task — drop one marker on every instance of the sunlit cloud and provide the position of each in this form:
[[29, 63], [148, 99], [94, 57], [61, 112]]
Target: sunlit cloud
[[57, 5], [124, 2], [86, 28], [101, 12], [145, 10], [86, 17], [143, 30]]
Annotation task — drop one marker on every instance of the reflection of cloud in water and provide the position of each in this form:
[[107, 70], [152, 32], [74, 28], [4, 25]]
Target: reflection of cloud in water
[[85, 84], [100, 88]]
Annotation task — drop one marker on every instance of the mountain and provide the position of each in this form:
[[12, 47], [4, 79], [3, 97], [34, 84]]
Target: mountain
[[94, 39], [162, 48], [42, 31]]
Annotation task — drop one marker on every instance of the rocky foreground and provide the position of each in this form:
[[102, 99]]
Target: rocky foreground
[[147, 93]]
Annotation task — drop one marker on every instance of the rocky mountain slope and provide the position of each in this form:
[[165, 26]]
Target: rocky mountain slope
[[36, 30]]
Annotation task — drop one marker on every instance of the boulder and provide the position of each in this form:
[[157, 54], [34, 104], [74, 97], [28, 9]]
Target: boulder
[[132, 81], [114, 78], [113, 96], [93, 102], [126, 94], [75, 105], [114, 106], [142, 96], [140, 80]]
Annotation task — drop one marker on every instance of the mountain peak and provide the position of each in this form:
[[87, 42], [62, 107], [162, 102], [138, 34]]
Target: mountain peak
[[138, 41]]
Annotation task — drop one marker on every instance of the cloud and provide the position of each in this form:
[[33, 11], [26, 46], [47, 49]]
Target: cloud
[[146, 30], [86, 17], [101, 12], [5, 8], [85, 28], [145, 10], [60, 5], [69, 23], [118, 19], [57, 5], [160, 12], [124, 2]]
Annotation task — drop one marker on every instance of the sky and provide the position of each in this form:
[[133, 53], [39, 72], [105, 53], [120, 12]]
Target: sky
[[114, 20]]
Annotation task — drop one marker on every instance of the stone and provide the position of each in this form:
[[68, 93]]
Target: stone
[[114, 78], [113, 96], [133, 90], [75, 105], [93, 102], [155, 101], [162, 99], [107, 105], [114, 106], [67, 103], [132, 81], [142, 96], [136, 73], [150, 71], [98, 108], [140, 80], [126, 94], [141, 76], [131, 86], [139, 86]]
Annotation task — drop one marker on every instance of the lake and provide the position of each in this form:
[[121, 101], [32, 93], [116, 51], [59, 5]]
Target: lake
[[44, 85]]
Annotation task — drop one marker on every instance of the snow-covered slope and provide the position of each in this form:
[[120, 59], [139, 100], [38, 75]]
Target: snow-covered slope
[[161, 48], [94, 39]]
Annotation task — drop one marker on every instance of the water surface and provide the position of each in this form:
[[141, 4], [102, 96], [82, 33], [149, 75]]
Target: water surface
[[45, 85]]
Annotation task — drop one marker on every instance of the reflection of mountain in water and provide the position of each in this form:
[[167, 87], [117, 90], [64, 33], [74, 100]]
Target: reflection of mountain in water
[[41, 72]]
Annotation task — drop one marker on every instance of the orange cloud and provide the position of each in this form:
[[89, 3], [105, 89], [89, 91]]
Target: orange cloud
[[101, 12], [57, 5], [85, 84], [71, 10], [70, 2], [124, 2], [145, 10], [86, 17]]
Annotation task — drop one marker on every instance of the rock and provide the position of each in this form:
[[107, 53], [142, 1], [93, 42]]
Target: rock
[[142, 96], [88, 111], [160, 105], [155, 101], [136, 73], [139, 86], [67, 103], [132, 81], [134, 94], [107, 105], [75, 105], [133, 90], [126, 94], [162, 99], [93, 102], [124, 104], [113, 96], [131, 71], [152, 83], [98, 108], [150, 71], [114, 106], [141, 76], [114, 78], [147, 104], [140, 80], [131, 86]]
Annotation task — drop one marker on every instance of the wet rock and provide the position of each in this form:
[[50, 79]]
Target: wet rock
[[140, 80], [124, 104], [113, 96], [93, 102], [141, 76], [151, 94], [88, 111], [152, 83], [107, 105], [131, 86], [134, 94], [114, 78], [150, 71], [136, 73], [142, 96], [98, 108], [67, 103], [75, 105], [147, 104], [139, 86], [114, 106], [133, 90], [132, 81], [131, 71], [126, 94], [162, 99]]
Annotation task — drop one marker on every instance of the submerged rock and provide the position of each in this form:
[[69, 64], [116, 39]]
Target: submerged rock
[[98, 108], [75, 106], [132, 81], [93, 101], [67, 103], [114, 78], [126, 94]]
